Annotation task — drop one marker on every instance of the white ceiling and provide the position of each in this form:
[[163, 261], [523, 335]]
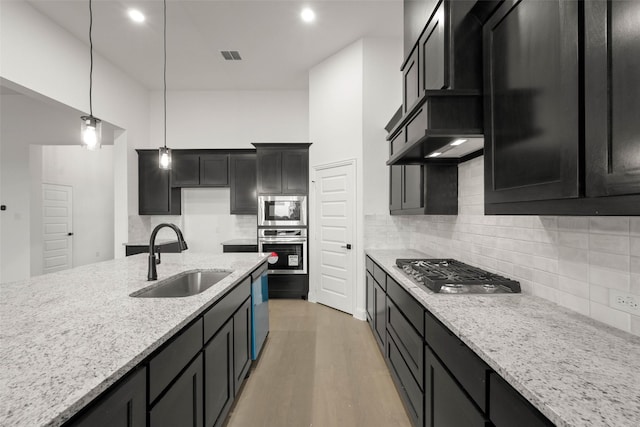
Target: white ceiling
[[277, 48]]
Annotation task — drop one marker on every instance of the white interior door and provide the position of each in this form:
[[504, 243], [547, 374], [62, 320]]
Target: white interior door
[[335, 234], [57, 239]]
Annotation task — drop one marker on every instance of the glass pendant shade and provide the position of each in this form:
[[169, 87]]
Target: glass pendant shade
[[91, 131], [164, 157]]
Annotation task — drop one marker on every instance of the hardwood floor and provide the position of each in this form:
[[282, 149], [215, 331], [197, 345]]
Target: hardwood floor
[[319, 367]]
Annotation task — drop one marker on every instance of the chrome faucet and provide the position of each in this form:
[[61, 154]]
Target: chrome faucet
[[153, 273]]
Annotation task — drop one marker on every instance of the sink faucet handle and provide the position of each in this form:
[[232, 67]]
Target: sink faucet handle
[[158, 260]]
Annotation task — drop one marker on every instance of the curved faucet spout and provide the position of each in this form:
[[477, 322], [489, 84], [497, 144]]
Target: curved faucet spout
[[182, 245]]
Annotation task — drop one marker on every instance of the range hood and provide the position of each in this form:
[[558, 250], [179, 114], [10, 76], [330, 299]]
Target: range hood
[[444, 125]]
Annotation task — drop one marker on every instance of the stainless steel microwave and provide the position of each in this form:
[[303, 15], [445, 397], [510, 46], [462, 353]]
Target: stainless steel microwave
[[282, 211]]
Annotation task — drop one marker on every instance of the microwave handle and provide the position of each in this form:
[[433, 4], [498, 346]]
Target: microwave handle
[[276, 240]]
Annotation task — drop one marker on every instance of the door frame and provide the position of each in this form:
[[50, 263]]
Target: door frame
[[44, 186], [358, 310]]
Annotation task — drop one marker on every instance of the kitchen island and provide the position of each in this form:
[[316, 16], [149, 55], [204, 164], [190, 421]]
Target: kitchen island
[[66, 337], [574, 370]]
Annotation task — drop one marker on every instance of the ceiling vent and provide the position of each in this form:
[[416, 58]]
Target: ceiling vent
[[231, 55]]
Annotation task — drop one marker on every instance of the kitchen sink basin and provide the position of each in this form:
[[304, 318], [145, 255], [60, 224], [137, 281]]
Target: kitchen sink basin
[[183, 285]]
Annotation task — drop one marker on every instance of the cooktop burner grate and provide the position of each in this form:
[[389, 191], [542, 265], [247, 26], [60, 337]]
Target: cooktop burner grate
[[455, 277]]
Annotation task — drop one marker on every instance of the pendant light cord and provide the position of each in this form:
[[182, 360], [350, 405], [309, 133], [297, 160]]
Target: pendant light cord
[[91, 60], [165, 73]]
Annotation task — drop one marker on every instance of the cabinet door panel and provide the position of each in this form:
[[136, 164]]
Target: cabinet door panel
[[269, 172], [295, 171], [218, 381], [124, 406], [411, 81], [370, 310], [380, 301], [509, 408], [241, 344], [435, 73], [450, 406], [214, 170], [612, 97], [532, 109], [243, 182], [185, 170], [408, 388], [182, 405], [413, 197], [155, 197], [395, 188]]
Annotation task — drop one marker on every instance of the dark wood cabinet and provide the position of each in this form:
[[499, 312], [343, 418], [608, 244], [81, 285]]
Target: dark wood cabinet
[[282, 168], [125, 405], [509, 408], [410, 82], [423, 189], [532, 107], [370, 298], [241, 344], [380, 322], [243, 183], [155, 195], [431, 48], [218, 381], [199, 169], [612, 98], [446, 403], [408, 388], [182, 404]]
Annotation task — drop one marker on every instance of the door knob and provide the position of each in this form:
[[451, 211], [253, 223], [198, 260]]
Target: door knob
[[69, 234], [347, 246]]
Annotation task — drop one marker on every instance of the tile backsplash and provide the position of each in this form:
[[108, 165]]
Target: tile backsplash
[[572, 261]]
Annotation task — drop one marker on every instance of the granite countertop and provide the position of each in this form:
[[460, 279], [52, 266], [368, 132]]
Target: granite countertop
[[241, 242], [65, 337], [575, 370]]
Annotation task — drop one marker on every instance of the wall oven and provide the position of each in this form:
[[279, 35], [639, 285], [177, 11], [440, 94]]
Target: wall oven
[[288, 211], [288, 249]]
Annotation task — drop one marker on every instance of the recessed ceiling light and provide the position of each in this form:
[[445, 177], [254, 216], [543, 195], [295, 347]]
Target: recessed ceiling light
[[136, 15], [458, 142], [436, 154], [308, 15]]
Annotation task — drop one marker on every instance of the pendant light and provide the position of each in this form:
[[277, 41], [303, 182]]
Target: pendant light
[[91, 128], [164, 153]]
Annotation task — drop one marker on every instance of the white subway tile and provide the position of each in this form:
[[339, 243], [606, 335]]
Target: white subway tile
[[620, 263], [574, 270], [599, 294], [610, 243], [572, 302], [635, 226], [609, 225], [635, 284], [635, 264], [573, 240], [611, 279], [574, 287], [573, 254], [546, 279], [615, 318], [573, 223], [635, 325], [634, 246]]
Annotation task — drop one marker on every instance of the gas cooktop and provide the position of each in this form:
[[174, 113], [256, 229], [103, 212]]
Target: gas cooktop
[[448, 276]]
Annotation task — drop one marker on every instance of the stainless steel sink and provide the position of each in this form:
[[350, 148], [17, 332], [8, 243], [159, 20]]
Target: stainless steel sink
[[183, 285]]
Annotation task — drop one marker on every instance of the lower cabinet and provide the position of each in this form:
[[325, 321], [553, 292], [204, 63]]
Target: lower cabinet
[[369, 291], [509, 408], [241, 344], [380, 322], [218, 380], [124, 406], [446, 403], [182, 404]]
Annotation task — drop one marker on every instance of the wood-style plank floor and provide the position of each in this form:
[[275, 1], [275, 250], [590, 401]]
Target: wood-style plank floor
[[319, 367]]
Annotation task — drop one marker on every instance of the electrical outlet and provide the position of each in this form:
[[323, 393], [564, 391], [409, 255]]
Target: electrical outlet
[[624, 301]]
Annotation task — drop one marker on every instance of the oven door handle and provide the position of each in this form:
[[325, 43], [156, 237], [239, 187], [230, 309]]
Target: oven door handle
[[275, 240]]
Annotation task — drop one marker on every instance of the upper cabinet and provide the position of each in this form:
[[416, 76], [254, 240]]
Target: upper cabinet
[[155, 195], [533, 111], [561, 108], [197, 169], [282, 168], [612, 97], [243, 182]]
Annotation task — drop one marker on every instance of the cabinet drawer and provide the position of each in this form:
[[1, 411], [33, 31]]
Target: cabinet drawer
[[470, 371], [172, 359], [509, 408], [380, 276], [411, 309], [369, 264], [415, 128], [409, 390], [397, 142], [408, 341], [225, 307]]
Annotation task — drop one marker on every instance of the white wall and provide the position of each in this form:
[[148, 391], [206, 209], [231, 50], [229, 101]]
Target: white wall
[[572, 261], [352, 95], [37, 54], [90, 174]]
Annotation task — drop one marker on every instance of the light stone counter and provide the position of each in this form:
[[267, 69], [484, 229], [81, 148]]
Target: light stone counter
[[241, 242], [65, 337], [575, 370]]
